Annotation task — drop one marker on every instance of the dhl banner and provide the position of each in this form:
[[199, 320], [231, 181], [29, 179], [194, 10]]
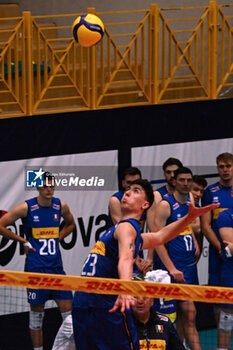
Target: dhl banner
[[207, 294]]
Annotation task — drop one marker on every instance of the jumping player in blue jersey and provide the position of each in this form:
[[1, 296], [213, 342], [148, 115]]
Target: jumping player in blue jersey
[[179, 256], [41, 218], [225, 326], [131, 174], [105, 321], [222, 192]]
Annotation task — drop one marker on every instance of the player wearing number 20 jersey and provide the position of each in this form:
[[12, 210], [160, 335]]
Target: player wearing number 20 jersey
[[41, 227]]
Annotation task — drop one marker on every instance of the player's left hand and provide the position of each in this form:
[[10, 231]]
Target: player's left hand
[[194, 212], [123, 302]]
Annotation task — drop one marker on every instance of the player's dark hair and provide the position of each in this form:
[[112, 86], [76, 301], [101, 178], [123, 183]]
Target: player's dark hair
[[172, 161], [225, 157], [132, 171], [200, 180], [182, 170], [145, 184]]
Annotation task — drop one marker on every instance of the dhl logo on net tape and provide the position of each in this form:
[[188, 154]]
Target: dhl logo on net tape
[[116, 286]]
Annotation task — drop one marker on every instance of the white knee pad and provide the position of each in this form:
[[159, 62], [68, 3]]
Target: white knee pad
[[225, 322], [36, 320]]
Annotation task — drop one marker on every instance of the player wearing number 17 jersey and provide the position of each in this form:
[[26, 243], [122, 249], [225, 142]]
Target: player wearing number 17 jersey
[[41, 217]]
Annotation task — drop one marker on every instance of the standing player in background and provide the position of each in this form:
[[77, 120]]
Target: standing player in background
[[41, 218], [225, 326], [169, 166], [198, 186], [179, 256], [131, 174], [98, 322], [221, 192]]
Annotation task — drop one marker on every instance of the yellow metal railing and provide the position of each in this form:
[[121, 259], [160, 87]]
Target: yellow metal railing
[[156, 55]]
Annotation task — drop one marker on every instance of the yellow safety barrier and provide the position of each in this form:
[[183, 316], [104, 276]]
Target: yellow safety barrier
[[150, 56], [207, 294]]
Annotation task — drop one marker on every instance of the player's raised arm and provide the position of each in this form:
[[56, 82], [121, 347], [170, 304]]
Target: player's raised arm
[[168, 232]]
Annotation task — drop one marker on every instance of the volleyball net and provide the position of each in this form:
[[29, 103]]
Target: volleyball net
[[14, 306]]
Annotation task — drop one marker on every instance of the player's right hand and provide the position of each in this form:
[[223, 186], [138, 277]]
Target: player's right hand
[[177, 275], [27, 246], [123, 302]]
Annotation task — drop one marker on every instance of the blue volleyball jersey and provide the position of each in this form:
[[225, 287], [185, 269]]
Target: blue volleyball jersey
[[41, 227], [182, 248], [217, 193], [103, 262], [166, 307], [225, 219], [163, 191]]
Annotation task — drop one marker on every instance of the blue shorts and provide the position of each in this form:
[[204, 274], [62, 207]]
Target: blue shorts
[[98, 329], [40, 296], [190, 275]]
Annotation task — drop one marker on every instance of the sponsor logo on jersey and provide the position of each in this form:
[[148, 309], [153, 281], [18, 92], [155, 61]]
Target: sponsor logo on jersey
[[215, 199], [214, 189], [56, 206], [45, 232], [163, 318], [175, 206], [187, 231], [36, 218], [217, 211], [99, 248], [34, 207], [159, 344], [166, 195]]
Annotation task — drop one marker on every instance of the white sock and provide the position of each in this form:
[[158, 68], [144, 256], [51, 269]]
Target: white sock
[[65, 314]]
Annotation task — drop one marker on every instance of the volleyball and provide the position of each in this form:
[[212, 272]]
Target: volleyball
[[88, 30]]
